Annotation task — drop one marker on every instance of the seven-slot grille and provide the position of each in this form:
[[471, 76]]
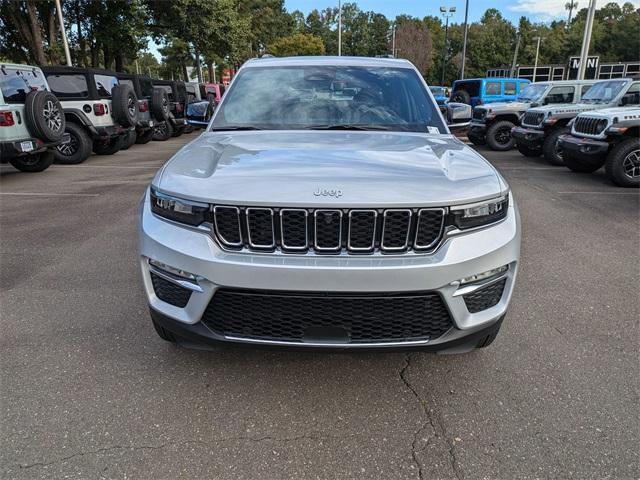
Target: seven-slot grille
[[587, 126], [329, 231], [532, 118]]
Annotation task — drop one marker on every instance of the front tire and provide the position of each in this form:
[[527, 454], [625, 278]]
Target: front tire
[[551, 149], [108, 147], [528, 152], [77, 149], [499, 136], [33, 163], [623, 163]]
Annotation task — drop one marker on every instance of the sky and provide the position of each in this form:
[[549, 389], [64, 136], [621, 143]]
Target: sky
[[536, 10]]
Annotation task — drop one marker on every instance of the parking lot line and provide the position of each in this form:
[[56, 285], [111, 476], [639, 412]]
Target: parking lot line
[[599, 193], [44, 194], [107, 166]]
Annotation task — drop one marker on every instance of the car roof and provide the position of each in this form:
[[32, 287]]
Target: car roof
[[328, 60], [17, 65], [66, 69]]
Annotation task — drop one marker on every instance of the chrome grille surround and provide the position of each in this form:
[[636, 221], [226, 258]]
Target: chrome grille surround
[[588, 126], [329, 231], [532, 119]]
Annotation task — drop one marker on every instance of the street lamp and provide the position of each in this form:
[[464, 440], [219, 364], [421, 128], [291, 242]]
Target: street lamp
[[535, 65], [446, 12], [393, 41], [339, 28]]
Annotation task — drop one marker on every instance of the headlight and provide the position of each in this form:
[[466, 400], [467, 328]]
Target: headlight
[[600, 126], [478, 214], [178, 209]]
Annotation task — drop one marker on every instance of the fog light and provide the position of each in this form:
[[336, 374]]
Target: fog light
[[484, 275], [172, 270]]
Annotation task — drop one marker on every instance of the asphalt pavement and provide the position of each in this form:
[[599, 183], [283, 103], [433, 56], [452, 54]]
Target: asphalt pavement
[[88, 390]]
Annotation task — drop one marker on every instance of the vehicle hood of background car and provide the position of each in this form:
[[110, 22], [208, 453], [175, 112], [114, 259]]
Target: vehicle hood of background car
[[564, 108], [623, 113], [362, 169], [507, 106]]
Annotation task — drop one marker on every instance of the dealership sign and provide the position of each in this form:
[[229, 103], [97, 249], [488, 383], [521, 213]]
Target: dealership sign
[[590, 72]]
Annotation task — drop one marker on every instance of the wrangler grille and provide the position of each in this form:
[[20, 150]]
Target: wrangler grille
[[329, 231], [588, 126], [299, 317], [532, 119]]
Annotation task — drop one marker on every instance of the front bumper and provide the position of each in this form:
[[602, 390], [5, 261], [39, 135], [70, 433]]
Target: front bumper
[[27, 146], [477, 129], [584, 147], [459, 256], [529, 137]]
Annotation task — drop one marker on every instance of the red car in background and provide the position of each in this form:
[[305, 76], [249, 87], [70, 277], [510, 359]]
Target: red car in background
[[212, 92]]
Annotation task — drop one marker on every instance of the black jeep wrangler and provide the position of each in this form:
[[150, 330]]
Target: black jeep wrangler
[[175, 125]]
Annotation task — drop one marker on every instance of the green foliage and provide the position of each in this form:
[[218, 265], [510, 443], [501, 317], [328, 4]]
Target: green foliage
[[297, 44]]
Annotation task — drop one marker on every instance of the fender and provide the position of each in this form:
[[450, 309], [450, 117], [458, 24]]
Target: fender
[[78, 116]]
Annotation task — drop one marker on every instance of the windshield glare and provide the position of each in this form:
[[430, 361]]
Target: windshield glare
[[532, 92], [291, 98], [603, 92]]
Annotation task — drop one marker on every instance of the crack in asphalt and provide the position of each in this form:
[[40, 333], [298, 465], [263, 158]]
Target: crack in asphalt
[[434, 421], [187, 442]]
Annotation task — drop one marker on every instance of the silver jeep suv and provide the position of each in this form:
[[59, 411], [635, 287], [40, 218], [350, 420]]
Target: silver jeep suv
[[328, 205]]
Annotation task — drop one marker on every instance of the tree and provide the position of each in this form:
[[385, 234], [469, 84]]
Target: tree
[[413, 42], [297, 44], [269, 21]]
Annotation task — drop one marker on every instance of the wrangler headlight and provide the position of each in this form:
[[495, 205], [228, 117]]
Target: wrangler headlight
[[479, 214], [178, 209]]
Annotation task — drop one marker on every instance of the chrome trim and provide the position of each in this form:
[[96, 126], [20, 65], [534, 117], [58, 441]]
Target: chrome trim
[[467, 289], [373, 237], [181, 282], [215, 222], [248, 211], [330, 344], [306, 228], [456, 208], [338, 247], [384, 224], [440, 232]]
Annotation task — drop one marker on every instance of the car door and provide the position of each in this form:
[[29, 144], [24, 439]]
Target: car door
[[492, 91]]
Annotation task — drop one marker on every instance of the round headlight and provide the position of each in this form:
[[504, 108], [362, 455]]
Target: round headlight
[[602, 124]]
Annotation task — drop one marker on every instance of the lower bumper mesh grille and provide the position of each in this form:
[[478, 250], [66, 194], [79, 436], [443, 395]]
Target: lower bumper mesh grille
[[484, 298], [342, 318], [170, 292]]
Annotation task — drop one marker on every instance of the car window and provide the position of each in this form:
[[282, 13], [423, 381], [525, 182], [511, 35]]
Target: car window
[[15, 84], [321, 96], [127, 81], [634, 90], [492, 88], [471, 87], [104, 85], [562, 94], [585, 89], [509, 88], [532, 92], [168, 89], [146, 87], [68, 85]]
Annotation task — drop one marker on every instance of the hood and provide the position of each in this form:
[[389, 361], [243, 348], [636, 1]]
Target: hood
[[329, 168], [563, 108], [506, 106], [622, 112]]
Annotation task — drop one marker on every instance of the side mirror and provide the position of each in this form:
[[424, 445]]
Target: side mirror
[[458, 115]]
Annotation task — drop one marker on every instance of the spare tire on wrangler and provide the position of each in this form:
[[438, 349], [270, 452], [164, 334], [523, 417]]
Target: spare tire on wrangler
[[160, 107], [461, 96], [44, 116], [124, 105]]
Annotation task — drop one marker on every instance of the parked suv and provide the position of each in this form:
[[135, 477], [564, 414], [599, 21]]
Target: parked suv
[[541, 127], [492, 124], [175, 124], [609, 137], [150, 106], [480, 91], [31, 118], [308, 217], [99, 112]]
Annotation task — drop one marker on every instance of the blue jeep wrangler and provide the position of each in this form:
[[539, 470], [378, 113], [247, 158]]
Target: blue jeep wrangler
[[479, 91]]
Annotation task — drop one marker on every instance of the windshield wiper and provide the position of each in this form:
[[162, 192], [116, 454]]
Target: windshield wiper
[[346, 126], [235, 128]]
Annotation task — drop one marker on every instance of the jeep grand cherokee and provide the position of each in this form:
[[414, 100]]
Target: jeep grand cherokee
[[328, 205]]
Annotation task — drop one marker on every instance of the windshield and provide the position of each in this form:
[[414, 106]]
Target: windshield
[[438, 91], [603, 92], [532, 92], [326, 97]]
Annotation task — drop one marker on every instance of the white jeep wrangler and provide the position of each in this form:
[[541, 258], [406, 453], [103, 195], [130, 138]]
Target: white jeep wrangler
[[98, 110], [31, 118]]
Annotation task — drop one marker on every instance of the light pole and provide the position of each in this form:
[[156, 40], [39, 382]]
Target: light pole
[[586, 40], [535, 65], [339, 28], [464, 42], [446, 13], [64, 33], [393, 40], [515, 55]]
